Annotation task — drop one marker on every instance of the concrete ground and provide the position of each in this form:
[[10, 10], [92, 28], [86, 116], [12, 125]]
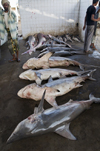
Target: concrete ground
[[86, 127]]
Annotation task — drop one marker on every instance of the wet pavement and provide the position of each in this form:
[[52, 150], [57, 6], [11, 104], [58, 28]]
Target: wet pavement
[[86, 127]]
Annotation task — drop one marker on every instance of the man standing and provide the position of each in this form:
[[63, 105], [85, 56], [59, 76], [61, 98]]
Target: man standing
[[95, 27], [9, 24], [89, 21]]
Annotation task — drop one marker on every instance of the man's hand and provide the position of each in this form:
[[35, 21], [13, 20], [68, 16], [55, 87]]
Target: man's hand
[[84, 27], [99, 19]]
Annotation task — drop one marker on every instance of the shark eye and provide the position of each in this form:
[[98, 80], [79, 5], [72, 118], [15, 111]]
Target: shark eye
[[32, 119]]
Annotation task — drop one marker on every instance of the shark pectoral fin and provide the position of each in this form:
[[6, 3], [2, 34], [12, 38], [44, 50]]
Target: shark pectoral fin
[[65, 132], [38, 78], [78, 85]]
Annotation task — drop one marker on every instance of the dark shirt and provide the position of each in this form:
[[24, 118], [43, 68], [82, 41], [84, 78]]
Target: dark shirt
[[90, 11]]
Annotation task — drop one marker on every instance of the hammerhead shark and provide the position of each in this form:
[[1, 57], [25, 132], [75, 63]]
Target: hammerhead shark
[[51, 120]]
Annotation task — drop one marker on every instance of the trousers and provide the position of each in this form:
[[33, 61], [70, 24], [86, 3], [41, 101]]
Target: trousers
[[88, 36], [13, 44]]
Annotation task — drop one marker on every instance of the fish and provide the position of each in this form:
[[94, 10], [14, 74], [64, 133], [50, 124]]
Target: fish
[[53, 88], [31, 42], [40, 39], [76, 39], [47, 61], [54, 49], [46, 45], [39, 75], [69, 38], [62, 53], [56, 120], [59, 41], [37, 63]]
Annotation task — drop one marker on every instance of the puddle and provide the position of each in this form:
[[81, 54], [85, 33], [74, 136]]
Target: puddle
[[95, 54]]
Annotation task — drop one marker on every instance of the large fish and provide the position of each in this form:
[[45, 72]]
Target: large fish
[[47, 61], [59, 41], [51, 120], [45, 45], [53, 89], [62, 53], [31, 42], [54, 49], [40, 40], [44, 74]]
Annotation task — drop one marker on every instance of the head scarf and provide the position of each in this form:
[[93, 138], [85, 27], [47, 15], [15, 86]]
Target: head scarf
[[6, 1]]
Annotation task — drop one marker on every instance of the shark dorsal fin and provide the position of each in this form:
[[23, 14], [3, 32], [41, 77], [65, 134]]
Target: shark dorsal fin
[[40, 107], [46, 56], [50, 79], [36, 110]]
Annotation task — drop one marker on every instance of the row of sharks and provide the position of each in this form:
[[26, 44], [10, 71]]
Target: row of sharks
[[58, 118]]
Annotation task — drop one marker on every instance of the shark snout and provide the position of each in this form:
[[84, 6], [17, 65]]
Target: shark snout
[[20, 94], [25, 66]]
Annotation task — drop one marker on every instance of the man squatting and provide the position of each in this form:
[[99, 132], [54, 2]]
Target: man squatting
[[89, 21], [8, 23]]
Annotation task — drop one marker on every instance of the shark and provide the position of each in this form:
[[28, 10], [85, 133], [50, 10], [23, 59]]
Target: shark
[[56, 120]]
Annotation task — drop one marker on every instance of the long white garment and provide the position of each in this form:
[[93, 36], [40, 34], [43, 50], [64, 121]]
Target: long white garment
[[6, 19]]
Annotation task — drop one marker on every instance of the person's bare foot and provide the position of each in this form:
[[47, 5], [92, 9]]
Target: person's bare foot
[[88, 52], [13, 59]]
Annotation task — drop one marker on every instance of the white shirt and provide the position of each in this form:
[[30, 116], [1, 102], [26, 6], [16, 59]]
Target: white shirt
[[6, 19]]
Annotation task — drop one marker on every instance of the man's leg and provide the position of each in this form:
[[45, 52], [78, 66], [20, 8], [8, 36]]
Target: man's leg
[[93, 38], [16, 45], [11, 48], [88, 37]]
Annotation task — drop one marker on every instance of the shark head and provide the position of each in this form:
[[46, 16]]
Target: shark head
[[30, 92], [29, 64], [28, 75], [31, 126], [25, 128]]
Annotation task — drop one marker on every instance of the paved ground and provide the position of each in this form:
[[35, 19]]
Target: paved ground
[[13, 109]]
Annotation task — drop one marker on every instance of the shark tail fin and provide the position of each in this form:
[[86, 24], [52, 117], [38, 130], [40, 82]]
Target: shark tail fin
[[83, 72], [96, 100], [90, 75]]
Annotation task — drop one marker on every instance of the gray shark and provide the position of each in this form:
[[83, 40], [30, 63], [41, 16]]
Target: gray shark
[[39, 75], [53, 88], [51, 120]]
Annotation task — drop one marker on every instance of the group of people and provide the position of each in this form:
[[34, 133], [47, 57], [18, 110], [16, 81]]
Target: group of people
[[90, 23], [8, 23]]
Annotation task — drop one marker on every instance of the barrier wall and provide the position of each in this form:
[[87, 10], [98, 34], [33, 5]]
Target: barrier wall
[[48, 16]]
